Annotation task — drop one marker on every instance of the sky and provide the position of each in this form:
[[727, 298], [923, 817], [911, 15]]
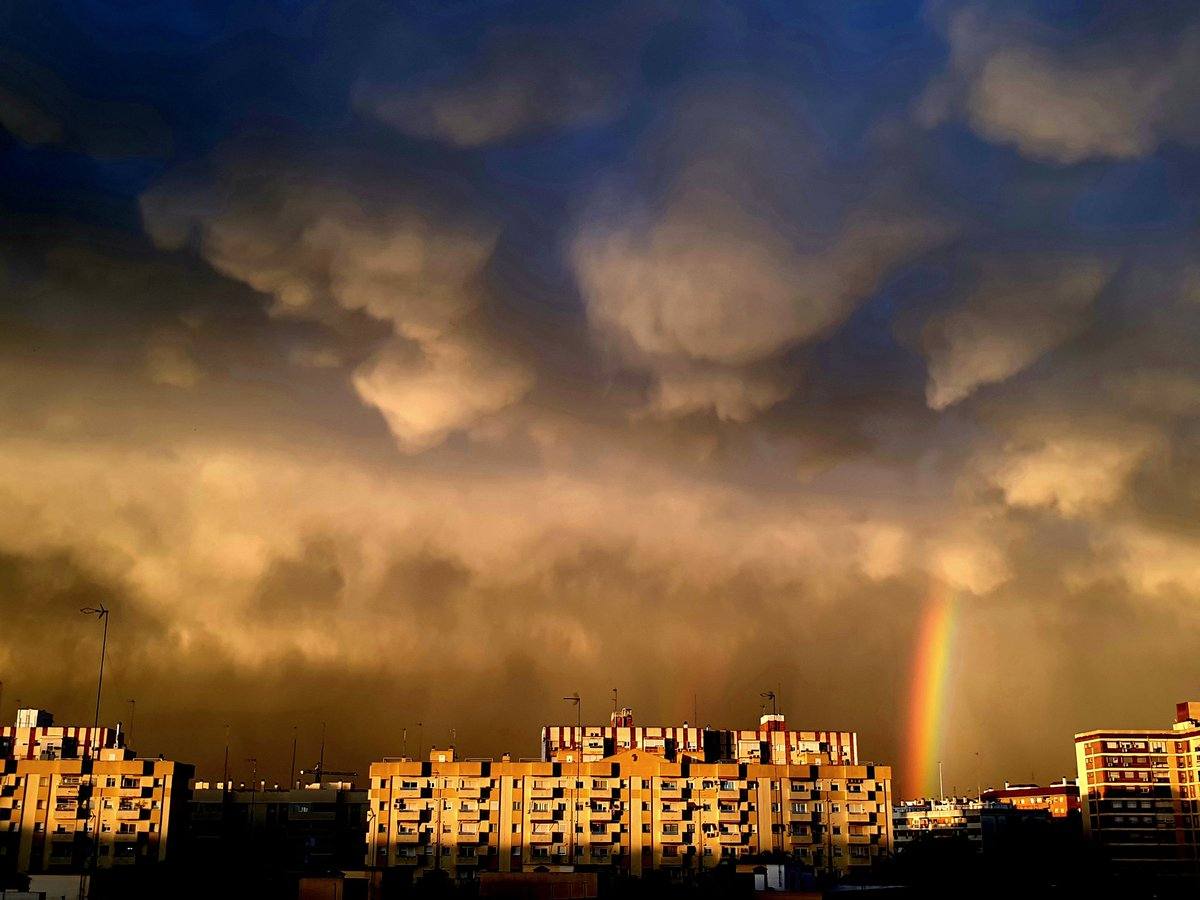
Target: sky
[[407, 367]]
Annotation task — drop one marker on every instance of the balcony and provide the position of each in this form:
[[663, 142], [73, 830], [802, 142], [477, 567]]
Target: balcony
[[671, 815], [727, 794], [409, 837], [411, 815], [733, 837], [545, 815], [731, 816]]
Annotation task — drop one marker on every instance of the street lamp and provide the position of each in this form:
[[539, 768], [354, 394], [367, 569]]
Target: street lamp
[[574, 698], [100, 611]]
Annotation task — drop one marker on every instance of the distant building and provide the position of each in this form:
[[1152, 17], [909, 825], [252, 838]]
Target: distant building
[[317, 828], [656, 804], [60, 787], [947, 819], [1138, 790], [771, 742], [1060, 799]]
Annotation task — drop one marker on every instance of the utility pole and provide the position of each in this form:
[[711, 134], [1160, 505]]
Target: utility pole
[[225, 770], [941, 789]]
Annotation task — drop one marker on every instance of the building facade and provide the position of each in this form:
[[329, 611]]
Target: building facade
[[60, 788], [637, 810], [315, 828], [1060, 799], [946, 819], [1138, 792], [771, 742]]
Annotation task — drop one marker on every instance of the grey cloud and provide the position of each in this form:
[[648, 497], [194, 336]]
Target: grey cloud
[[1019, 308], [754, 248], [524, 81], [1015, 82], [324, 252]]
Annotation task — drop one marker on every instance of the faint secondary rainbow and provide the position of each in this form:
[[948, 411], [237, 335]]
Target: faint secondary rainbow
[[927, 699]]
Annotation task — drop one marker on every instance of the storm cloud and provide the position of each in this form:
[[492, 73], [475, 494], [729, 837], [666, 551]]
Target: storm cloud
[[408, 373]]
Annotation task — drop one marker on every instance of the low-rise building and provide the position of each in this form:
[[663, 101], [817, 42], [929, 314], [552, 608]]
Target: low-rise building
[[1060, 799], [640, 809], [945, 819]]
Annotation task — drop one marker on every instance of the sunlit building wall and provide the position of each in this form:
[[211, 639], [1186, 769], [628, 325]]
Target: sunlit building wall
[[1138, 789], [634, 811], [54, 800]]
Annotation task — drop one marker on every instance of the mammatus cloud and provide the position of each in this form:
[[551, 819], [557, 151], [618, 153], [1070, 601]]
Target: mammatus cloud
[[525, 82], [705, 287], [1018, 83], [1019, 309], [323, 254]]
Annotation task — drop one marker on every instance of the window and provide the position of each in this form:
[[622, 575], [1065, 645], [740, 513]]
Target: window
[[799, 807], [670, 850]]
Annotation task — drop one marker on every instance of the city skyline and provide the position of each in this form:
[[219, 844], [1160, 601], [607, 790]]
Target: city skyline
[[415, 366]]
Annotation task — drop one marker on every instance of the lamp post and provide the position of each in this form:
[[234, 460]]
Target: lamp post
[[253, 761], [100, 611], [574, 698]]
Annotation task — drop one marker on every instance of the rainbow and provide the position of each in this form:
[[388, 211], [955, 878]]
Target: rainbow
[[927, 699]]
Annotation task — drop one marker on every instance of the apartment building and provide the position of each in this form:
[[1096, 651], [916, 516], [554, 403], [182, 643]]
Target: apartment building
[[771, 742], [60, 787], [314, 828], [636, 810], [946, 819], [1138, 790]]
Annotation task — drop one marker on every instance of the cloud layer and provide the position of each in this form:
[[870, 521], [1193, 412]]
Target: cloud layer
[[382, 371]]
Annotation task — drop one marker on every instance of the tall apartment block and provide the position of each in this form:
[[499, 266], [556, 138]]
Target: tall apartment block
[[633, 800], [62, 786], [1138, 791]]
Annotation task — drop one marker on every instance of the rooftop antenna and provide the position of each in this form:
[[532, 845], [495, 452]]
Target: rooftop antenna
[[615, 707], [129, 730], [770, 695]]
